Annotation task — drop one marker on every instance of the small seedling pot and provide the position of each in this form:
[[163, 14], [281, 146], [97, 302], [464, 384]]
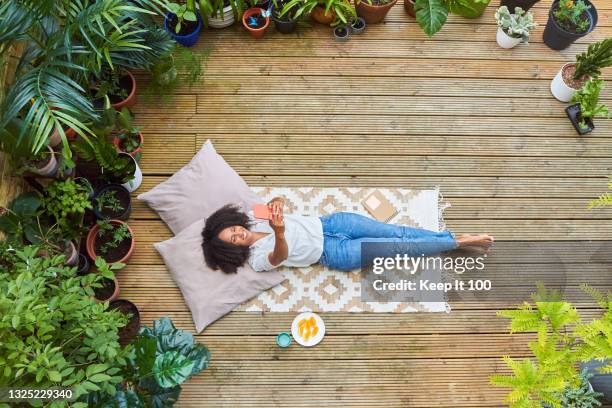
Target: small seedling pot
[[409, 7], [512, 4], [505, 41], [574, 115], [83, 265], [341, 33], [358, 25], [122, 195], [187, 40], [558, 38], [283, 26], [255, 32], [131, 99], [72, 255], [91, 243], [49, 168], [373, 14], [561, 90], [115, 293], [226, 18]]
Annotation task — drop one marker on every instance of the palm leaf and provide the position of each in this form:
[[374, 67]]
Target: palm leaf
[[431, 15]]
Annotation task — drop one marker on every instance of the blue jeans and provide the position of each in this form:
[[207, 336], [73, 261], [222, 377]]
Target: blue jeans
[[345, 232]]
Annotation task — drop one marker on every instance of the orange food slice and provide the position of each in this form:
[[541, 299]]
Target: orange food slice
[[314, 331]]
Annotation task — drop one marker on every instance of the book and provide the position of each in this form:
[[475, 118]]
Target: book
[[379, 206]]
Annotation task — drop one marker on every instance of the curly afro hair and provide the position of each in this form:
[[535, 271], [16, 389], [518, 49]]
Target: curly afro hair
[[219, 254]]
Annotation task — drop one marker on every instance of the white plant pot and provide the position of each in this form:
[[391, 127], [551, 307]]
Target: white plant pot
[[134, 183], [227, 20], [505, 41], [560, 89]]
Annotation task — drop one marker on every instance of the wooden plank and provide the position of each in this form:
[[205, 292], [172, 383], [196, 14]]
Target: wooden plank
[[211, 85], [381, 105], [457, 145], [369, 124]]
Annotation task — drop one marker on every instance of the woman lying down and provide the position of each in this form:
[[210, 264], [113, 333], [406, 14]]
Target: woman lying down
[[232, 238]]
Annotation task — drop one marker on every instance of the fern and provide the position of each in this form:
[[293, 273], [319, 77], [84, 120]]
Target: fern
[[603, 200]]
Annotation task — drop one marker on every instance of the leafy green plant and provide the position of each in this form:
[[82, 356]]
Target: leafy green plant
[[569, 15], [164, 357], [544, 379], [588, 98], [63, 44], [128, 134], [517, 25], [117, 234], [342, 9], [603, 200], [579, 397], [114, 165], [66, 201], [183, 12], [52, 332], [597, 56], [431, 15], [20, 216], [108, 200]]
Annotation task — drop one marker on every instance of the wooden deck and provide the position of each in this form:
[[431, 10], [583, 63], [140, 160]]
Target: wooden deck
[[388, 108]]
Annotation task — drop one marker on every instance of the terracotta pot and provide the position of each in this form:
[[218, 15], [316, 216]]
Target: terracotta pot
[[115, 294], [409, 7], [373, 14], [255, 32], [93, 234], [318, 14], [131, 99], [117, 143]]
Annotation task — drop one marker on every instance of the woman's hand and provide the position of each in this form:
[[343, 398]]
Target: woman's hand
[[277, 222], [276, 205]]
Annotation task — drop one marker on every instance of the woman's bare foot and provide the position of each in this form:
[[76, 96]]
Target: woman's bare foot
[[477, 243]]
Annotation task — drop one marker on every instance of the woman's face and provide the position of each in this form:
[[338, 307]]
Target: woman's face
[[236, 235]]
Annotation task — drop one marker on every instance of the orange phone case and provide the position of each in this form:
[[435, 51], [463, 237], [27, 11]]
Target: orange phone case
[[261, 211]]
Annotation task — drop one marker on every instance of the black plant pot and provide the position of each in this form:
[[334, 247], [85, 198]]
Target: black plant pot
[[283, 26], [573, 113], [600, 382], [83, 266], [122, 194], [129, 332], [512, 4], [559, 39]]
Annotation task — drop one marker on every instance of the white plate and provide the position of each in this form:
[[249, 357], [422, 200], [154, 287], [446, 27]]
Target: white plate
[[313, 340]]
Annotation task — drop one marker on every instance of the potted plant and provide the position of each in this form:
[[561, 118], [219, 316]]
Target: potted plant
[[55, 316], [220, 13], [66, 201], [357, 25], [112, 201], [105, 284], [284, 16], [586, 106], [431, 15], [83, 265], [43, 164], [115, 88], [164, 358], [112, 240], [327, 12], [568, 20], [513, 28], [563, 340], [341, 32], [524, 4], [580, 396], [183, 23], [589, 64], [128, 138], [373, 11], [256, 20], [129, 332]]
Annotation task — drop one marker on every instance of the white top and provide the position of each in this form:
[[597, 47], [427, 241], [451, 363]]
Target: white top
[[304, 236]]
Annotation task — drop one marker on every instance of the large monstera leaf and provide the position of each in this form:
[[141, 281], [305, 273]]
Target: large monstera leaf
[[431, 15], [171, 369]]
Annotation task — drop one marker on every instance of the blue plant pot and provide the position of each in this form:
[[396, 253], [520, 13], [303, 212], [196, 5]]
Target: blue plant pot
[[188, 40]]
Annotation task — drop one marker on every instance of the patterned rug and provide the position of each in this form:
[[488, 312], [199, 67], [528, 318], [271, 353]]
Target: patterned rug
[[319, 289]]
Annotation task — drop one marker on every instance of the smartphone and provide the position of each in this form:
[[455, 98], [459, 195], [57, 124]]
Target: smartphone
[[261, 211]]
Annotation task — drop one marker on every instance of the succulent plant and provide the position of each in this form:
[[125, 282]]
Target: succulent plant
[[517, 25]]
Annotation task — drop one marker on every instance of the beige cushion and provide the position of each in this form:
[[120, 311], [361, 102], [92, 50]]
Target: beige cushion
[[197, 190], [209, 294]]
